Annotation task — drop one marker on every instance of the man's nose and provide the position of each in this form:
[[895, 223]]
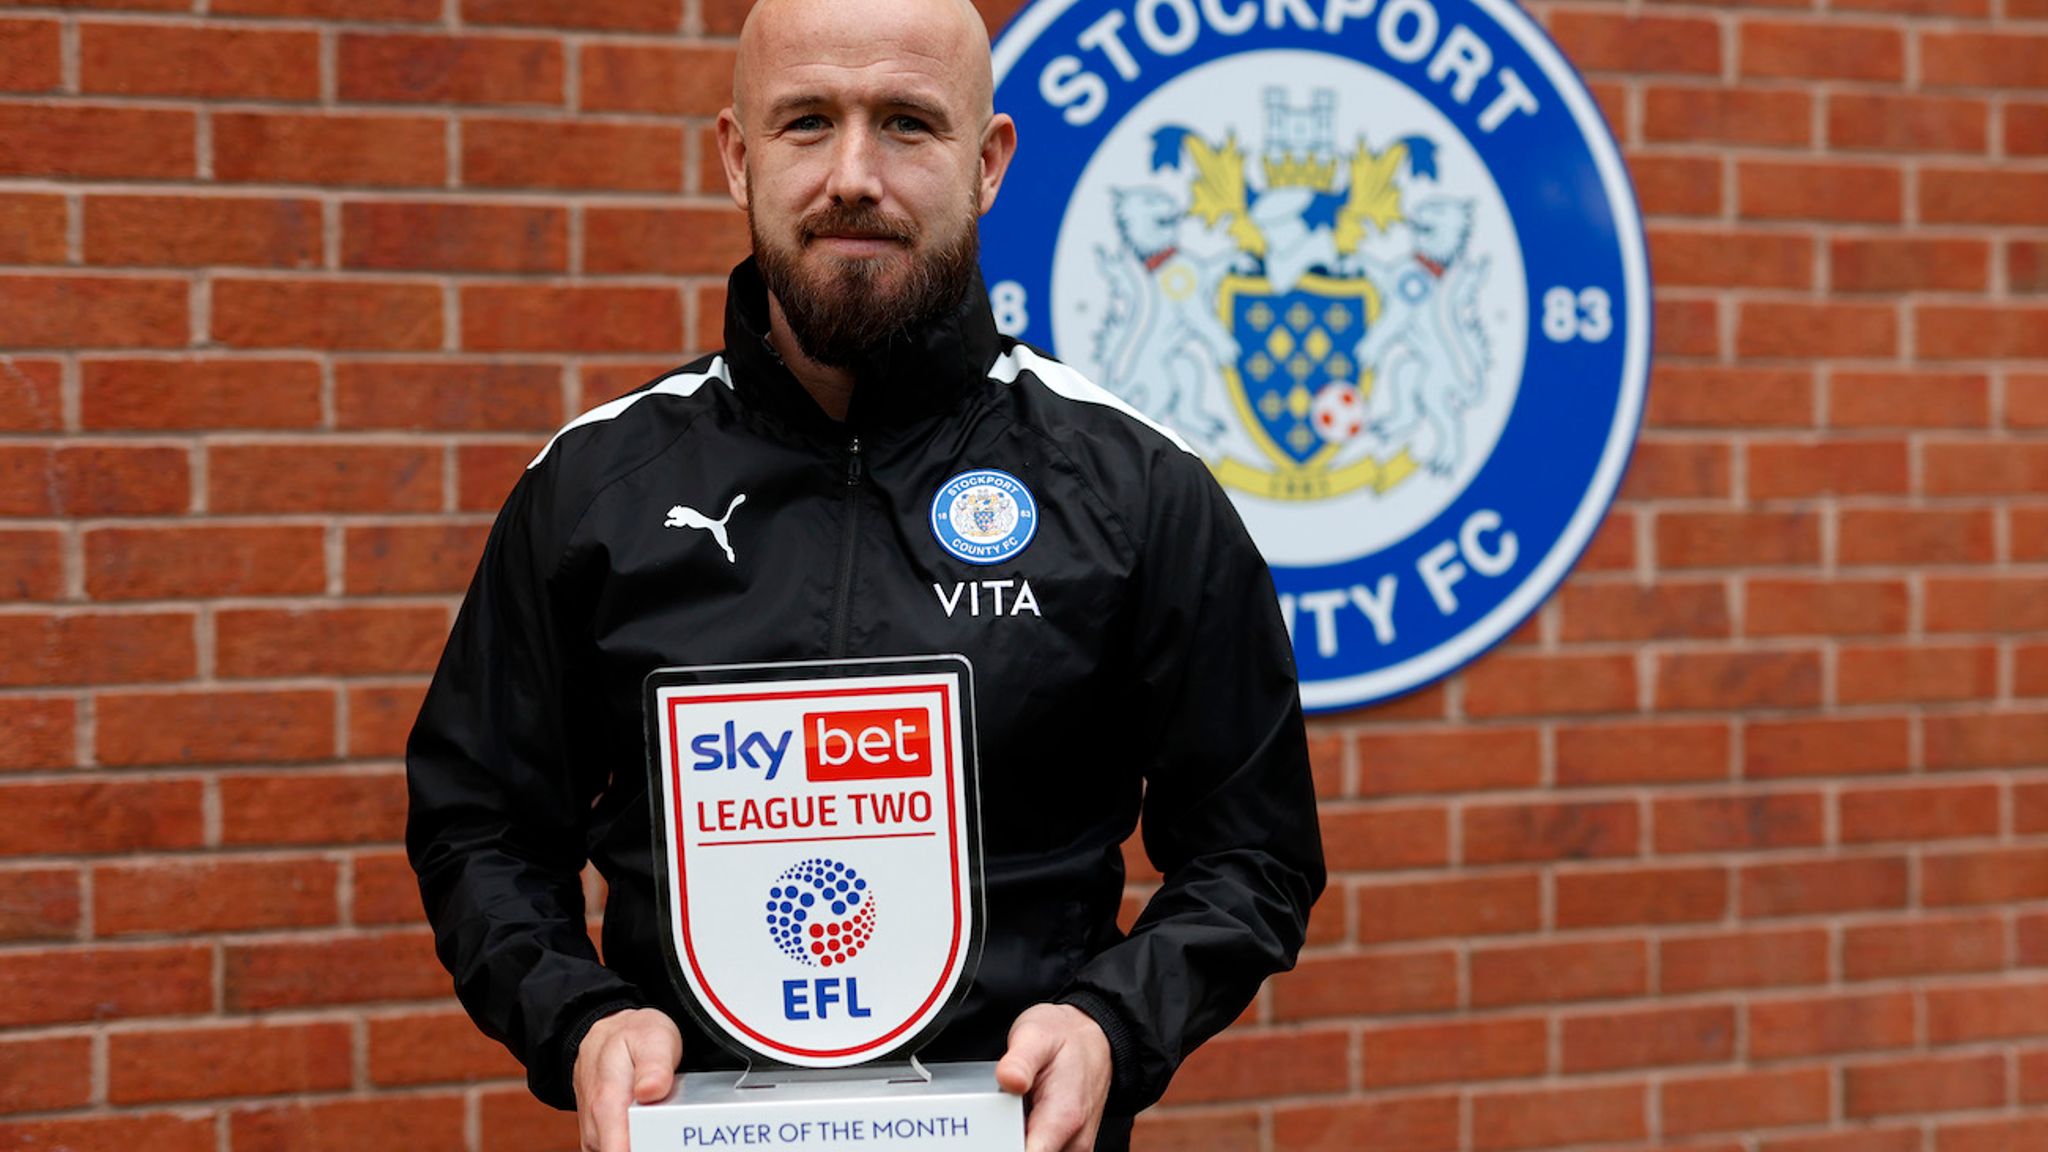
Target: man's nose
[[856, 169]]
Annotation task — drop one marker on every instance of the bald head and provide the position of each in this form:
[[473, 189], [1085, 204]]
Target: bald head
[[945, 39]]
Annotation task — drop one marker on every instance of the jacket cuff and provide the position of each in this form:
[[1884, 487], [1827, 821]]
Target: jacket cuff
[[556, 1085], [1125, 1098]]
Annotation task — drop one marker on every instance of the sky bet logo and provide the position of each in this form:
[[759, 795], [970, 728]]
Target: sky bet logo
[[871, 744]]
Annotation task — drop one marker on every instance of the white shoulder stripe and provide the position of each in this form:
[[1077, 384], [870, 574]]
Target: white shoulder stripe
[[1067, 383], [678, 384]]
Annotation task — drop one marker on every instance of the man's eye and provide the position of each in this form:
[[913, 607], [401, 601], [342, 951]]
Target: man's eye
[[908, 124], [811, 123]]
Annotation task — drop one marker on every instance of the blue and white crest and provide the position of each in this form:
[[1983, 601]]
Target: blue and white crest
[[985, 516], [1379, 263]]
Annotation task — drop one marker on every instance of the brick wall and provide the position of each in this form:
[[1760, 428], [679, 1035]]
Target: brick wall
[[1740, 846]]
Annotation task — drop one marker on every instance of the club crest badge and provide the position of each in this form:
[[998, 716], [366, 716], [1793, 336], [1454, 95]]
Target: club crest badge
[[819, 852], [1377, 261], [985, 516]]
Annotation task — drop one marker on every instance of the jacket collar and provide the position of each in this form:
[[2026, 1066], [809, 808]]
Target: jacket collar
[[925, 374]]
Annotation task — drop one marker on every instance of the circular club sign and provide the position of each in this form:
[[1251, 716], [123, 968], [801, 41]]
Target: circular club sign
[[1376, 260]]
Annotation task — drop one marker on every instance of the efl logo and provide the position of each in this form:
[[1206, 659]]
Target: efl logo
[[876, 744]]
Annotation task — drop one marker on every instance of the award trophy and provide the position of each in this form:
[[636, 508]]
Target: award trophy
[[820, 856]]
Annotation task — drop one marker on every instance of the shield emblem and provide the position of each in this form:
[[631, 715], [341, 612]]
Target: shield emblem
[[1294, 348], [818, 839]]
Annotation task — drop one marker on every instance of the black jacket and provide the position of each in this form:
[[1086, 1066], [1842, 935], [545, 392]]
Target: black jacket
[[1150, 674]]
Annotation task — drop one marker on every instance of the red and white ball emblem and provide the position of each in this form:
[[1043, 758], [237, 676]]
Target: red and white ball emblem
[[1337, 414]]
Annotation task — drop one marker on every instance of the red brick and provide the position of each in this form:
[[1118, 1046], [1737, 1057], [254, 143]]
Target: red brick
[[484, 473], [1648, 1038], [119, 480], [1458, 906], [324, 477], [1914, 537], [1985, 468], [583, 155], [410, 559], [1785, 1029], [1738, 823], [2026, 134], [1559, 973], [215, 727], [2030, 807], [1677, 470], [1687, 327], [1460, 759], [44, 904], [357, 807], [1983, 196], [97, 143], [1971, 332], [1999, 740], [1890, 122], [1508, 833], [1672, 610], [1804, 190], [1733, 1102], [154, 563], [1729, 681], [415, 1122], [158, 1132], [1372, 984], [402, 236], [190, 394], [32, 228], [2029, 533], [2026, 399], [1466, 1050], [1920, 812], [1924, 946], [209, 63], [1879, 675], [619, 16], [1375, 839], [1891, 266], [1993, 876], [1835, 467], [1603, 42], [2026, 262], [2005, 59], [1393, 1124], [1933, 1084], [1993, 1135], [1241, 1066], [1797, 330], [227, 895], [235, 1060], [511, 1120], [597, 383], [426, 69], [1553, 1117], [1819, 887], [663, 79], [429, 396], [74, 312], [1824, 607], [36, 733], [1958, 8], [31, 564], [400, 11], [31, 391], [1763, 117], [664, 241], [1677, 185], [1717, 396], [46, 1073], [1909, 400], [528, 318], [336, 151], [1651, 753], [1737, 539], [1822, 51], [1523, 684], [385, 891], [269, 975], [326, 314], [2002, 1011], [67, 985], [379, 719], [97, 816], [1615, 897], [2034, 1077], [31, 56], [1995, 604], [100, 648], [1205, 1131], [1825, 747], [329, 641], [437, 1048]]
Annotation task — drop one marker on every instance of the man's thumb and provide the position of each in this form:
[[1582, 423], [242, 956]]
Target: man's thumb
[[1031, 1049]]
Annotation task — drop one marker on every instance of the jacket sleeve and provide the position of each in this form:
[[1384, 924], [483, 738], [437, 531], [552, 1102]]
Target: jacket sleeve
[[495, 828], [1229, 810]]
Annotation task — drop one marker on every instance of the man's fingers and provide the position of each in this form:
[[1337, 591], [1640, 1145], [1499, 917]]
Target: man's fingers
[[1031, 1049], [654, 1065], [609, 1096]]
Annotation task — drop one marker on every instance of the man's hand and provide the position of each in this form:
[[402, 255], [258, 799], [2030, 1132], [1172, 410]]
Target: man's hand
[[627, 1057], [1059, 1062]]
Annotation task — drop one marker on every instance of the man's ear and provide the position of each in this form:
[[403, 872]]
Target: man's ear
[[998, 145], [732, 151]]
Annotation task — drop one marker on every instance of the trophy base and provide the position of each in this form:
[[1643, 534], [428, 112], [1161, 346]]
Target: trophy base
[[958, 1109]]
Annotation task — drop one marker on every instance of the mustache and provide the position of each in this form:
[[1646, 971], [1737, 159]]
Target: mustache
[[862, 220]]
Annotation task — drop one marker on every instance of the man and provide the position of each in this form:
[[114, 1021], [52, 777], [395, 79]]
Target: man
[[775, 502]]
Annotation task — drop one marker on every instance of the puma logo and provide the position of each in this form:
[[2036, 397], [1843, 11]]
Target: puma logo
[[682, 517]]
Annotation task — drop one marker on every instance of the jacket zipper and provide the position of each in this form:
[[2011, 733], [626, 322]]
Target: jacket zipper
[[842, 604]]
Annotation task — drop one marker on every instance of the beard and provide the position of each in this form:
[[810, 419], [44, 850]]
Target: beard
[[845, 311]]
